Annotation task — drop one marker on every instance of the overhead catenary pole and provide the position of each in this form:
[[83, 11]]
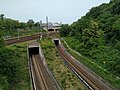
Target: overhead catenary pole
[[41, 29], [18, 33], [38, 26], [47, 26]]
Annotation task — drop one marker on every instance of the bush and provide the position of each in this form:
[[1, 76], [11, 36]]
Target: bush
[[9, 67]]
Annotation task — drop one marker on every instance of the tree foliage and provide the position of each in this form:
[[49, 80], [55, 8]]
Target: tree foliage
[[30, 23], [65, 30], [9, 68], [97, 35], [9, 27]]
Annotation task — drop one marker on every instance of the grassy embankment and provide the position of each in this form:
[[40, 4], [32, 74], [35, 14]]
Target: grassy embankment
[[61, 72], [24, 78], [112, 79]]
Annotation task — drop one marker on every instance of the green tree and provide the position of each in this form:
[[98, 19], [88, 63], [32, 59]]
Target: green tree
[[65, 30], [22, 25], [37, 25], [30, 23], [9, 67], [116, 29], [2, 17]]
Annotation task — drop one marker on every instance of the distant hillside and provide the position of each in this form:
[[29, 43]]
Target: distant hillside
[[97, 36], [108, 18]]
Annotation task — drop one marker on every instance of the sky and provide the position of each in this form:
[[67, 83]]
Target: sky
[[65, 11]]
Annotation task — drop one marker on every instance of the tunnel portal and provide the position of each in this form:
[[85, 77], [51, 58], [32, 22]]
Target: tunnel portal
[[33, 50], [56, 41]]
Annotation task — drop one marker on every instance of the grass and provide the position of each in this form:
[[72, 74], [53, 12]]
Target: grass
[[24, 78], [61, 72], [112, 79]]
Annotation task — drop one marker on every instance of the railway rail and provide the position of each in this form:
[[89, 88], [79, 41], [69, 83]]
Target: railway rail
[[27, 38], [41, 78], [92, 82]]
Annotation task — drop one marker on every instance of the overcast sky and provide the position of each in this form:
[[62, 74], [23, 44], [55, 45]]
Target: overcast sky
[[65, 11]]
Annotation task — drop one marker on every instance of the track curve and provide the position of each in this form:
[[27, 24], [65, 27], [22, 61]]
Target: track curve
[[89, 78]]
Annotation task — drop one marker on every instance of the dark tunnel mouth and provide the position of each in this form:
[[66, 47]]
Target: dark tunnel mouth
[[56, 29], [50, 29], [56, 42], [33, 50]]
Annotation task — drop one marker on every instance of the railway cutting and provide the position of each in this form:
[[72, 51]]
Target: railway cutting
[[41, 79]]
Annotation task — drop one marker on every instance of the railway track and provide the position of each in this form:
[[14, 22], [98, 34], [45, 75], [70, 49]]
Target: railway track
[[92, 82], [27, 38], [41, 77], [42, 80]]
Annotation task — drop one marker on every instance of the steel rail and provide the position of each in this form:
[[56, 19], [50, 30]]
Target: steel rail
[[27, 38], [39, 74], [92, 82]]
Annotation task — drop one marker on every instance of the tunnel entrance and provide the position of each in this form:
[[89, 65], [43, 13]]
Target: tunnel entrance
[[50, 29], [56, 29], [33, 50], [56, 42]]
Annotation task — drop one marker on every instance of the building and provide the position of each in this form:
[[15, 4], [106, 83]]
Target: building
[[51, 26]]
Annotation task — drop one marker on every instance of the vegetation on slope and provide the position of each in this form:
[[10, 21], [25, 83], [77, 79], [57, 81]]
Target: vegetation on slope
[[97, 36], [23, 81], [9, 68], [101, 71], [13, 68]]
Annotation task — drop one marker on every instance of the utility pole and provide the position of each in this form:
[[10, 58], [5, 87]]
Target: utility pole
[[41, 29], [38, 27], [18, 33], [47, 27]]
